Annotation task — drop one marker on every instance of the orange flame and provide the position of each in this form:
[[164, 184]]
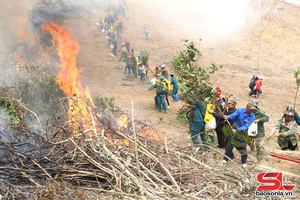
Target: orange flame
[[68, 48], [123, 121], [69, 82], [68, 77]]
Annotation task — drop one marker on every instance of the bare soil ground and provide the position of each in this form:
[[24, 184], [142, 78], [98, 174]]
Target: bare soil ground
[[103, 73]]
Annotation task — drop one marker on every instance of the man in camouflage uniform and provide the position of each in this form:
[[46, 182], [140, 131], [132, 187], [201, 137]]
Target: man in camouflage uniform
[[285, 130], [260, 119]]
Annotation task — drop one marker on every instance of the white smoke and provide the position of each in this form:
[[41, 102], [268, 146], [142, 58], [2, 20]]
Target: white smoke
[[14, 23], [209, 20]]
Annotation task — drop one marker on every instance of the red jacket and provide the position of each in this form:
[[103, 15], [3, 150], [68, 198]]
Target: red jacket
[[258, 84]]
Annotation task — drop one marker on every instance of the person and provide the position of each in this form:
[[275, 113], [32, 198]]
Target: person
[[218, 113], [175, 87], [164, 71], [115, 46], [260, 119], [146, 33], [252, 84], [157, 71], [230, 108], [243, 118], [132, 61], [257, 88], [296, 116], [146, 68], [297, 119], [127, 45], [161, 90], [197, 126], [141, 72], [124, 53], [285, 130], [168, 85]]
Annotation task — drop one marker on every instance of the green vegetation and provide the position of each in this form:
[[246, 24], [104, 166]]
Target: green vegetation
[[144, 56], [105, 104], [240, 137], [10, 110], [194, 80]]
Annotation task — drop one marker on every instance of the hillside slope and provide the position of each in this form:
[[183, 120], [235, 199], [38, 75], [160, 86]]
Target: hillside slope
[[279, 55]]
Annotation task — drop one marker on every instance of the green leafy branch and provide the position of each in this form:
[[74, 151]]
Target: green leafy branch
[[193, 79]]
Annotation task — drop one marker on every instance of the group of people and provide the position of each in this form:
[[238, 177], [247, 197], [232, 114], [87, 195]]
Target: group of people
[[133, 63], [108, 24], [116, 9], [239, 120], [164, 87]]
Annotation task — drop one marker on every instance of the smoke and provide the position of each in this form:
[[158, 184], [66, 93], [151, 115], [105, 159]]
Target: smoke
[[20, 21], [208, 20], [14, 23]]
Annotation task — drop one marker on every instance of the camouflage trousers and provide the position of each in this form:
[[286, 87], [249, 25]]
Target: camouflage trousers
[[256, 144]]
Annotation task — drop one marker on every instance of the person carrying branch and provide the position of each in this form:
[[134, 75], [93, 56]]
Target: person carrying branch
[[243, 118], [197, 125], [285, 130], [161, 90]]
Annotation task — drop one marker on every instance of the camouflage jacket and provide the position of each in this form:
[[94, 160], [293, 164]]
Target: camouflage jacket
[[287, 132]]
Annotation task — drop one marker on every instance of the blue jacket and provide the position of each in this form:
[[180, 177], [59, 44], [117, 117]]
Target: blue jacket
[[241, 119]]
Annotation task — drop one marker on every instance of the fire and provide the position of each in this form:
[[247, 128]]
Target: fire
[[68, 48], [68, 77], [123, 119], [68, 80], [89, 97]]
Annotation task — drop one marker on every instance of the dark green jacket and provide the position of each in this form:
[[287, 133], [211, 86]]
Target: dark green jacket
[[260, 114], [297, 118]]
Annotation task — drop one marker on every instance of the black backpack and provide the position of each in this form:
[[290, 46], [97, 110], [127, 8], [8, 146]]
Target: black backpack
[[252, 82]]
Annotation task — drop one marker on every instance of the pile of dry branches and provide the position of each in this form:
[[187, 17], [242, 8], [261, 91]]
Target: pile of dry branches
[[105, 162]]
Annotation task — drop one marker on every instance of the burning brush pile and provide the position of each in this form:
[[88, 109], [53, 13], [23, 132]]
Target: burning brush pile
[[102, 156]]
